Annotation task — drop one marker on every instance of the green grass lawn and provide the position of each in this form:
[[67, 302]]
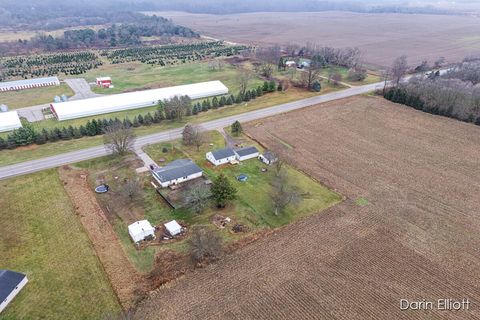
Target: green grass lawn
[[371, 77], [35, 152], [33, 97], [136, 75], [42, 237]]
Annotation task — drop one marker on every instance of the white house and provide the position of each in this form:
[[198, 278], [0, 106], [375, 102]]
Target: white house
[[176, 172], [173, 228], [221, 156], [268, 157], [140, 230], [11, 283], [246, 153]]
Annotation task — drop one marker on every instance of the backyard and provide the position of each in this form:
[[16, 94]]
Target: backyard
[[42, 238]]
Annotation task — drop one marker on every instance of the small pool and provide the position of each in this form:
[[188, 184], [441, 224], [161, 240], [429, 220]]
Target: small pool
[[103, 188], [242, 178]]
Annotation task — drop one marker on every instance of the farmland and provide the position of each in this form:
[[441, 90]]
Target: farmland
[[381, 37], [42, 237], [408, 228]]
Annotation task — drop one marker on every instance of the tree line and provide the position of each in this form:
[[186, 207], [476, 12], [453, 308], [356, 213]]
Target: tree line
[[174, 109], [455, 94]]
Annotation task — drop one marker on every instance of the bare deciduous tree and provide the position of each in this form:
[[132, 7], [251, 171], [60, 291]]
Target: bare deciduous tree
[[132, 190], [198, 198], [244, 77], [205, 245], [193, 136], [283, 193], [268, 58], [399, 69], [118, 138], [310, 75]]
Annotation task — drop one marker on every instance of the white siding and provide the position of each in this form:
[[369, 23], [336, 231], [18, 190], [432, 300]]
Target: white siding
[[133, 100], [12, 295], [218, 162], [180, 180], [248, 156]]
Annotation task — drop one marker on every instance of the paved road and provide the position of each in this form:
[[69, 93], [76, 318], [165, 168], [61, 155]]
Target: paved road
[[95, 152]]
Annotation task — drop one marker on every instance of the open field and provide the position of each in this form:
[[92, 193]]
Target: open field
[[381, 37], [408, 229], [33, 97], [42, 237]]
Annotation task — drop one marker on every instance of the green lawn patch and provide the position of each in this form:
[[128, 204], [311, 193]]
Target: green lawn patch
[[33, 97], [42, 237], [362, 201]]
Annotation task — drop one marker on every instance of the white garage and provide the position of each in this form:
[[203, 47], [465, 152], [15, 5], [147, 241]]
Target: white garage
[[133, 100]]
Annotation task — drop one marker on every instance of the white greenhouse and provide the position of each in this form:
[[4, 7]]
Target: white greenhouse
[[9, 121], [133, 100]]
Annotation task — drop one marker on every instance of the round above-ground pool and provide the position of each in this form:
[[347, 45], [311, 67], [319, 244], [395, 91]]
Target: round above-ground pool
[[103, 188], [242, 177]]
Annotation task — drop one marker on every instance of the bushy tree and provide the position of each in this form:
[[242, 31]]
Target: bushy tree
[[223, 191], [236, 128]]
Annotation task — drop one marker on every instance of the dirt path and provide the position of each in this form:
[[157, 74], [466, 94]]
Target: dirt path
[[126, 281]]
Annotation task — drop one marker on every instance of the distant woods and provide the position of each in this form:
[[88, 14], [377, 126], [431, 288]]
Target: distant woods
[[116, 35], [453, 93]]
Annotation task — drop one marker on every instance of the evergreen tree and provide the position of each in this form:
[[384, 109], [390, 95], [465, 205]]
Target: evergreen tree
[[223, 191], [141, 120], [265, 86], [259, 91], [247, 96], [65, 134], [40, 139], [136, 123], [76, 133], [3, 144], [239, 98], [83, 131], [148, 119], [253, 94], [90, 129], [215, 103], [222, 101], [204, 105], [195, 109], [230, 101], [271, 86], [44, 133], [209, 105], [11, 144], [156, 118], [236, 128], [127, 123], [316, 86]]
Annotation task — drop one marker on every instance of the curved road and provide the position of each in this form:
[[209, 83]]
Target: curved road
[[95, 152]]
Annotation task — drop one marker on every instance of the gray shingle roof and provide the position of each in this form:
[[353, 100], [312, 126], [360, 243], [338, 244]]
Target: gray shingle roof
[[176, 169], [223, 153], [8, 281], [270, 156], [242, 152], [27, 82]]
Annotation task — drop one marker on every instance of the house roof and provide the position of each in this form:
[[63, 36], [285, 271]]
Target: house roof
[[223, 153], [176, 169], [242, 152], [270, 156], [25, 82], [8, 281]]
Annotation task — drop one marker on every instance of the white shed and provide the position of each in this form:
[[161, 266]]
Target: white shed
[[140, 230], [173, 228], [9, 121]]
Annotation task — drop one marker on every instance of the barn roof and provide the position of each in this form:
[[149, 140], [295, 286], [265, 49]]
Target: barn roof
[[9, 121], [242, 152], [134, 100], [223, 153], [25, 82], [8, 281], [176, 169]]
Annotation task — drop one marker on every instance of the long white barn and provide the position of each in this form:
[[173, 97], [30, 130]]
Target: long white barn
[[29, 83], [9, 121], [133, 100]]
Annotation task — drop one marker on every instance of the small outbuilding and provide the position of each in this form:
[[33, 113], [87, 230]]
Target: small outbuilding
[[11, 283], [221, 156], [246, 153], [141, 230], [290, 64], [173, 228], [268, 157], [104, 82]]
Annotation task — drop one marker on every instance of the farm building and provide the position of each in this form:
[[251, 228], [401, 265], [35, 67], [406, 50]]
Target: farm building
[[9, 121], [11, 283], [141, 230], [29, 83], [104, 82], [246, 153], [268, 157], [177, 171], [290, 64], [173, 228], [221, 156], [133, 100]]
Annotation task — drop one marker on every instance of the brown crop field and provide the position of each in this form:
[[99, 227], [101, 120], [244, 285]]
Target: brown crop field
[[381, 37], [408, 229]]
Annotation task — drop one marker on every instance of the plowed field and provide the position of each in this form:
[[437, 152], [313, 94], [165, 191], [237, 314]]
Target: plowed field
[[417, 237]]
